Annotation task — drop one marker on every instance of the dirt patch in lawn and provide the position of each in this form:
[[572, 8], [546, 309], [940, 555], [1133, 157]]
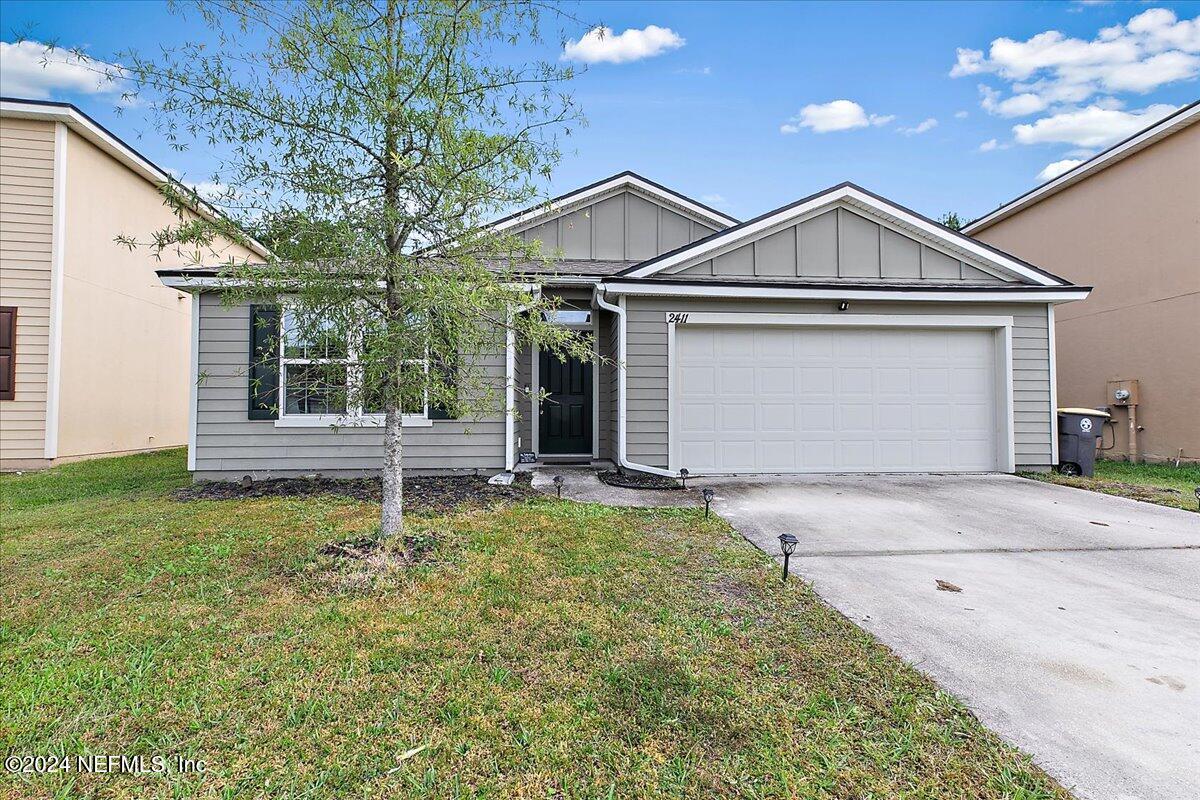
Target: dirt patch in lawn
[[637, 480], [422, 494], [1161, 495]]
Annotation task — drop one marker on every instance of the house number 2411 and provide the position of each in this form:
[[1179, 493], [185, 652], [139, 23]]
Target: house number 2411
[[677, 318]]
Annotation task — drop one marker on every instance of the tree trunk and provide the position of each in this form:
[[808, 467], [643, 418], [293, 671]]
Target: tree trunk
[[392, 521]]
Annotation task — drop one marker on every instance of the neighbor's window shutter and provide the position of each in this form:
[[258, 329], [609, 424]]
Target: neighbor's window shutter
[[8, 352], [264, 362]]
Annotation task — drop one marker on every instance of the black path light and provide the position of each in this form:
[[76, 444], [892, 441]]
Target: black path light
[[683, 473], [787, 543], [707, 494], [558, 484], [1198, 497]]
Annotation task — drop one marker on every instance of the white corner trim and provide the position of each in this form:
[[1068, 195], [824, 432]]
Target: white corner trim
[[535, 391], [1138, 141], [1010, 422], [622, 392], [842, 194], [617, 182], [1053, 387], [850, 292], [194, 383], [57, 288], [510, 408]]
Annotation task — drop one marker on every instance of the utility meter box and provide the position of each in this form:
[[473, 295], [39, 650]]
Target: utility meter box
[[1123, 393]]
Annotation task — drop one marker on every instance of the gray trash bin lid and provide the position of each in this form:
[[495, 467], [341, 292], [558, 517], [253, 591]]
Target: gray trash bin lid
[[1090, 412]]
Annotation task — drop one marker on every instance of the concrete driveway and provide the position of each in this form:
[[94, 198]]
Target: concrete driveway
[[1076, 635]]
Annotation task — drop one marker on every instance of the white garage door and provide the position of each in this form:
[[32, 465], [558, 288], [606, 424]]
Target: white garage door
[[776, 399]]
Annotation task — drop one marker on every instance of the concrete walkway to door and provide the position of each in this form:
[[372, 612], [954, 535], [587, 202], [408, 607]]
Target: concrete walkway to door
[[1076, 633]]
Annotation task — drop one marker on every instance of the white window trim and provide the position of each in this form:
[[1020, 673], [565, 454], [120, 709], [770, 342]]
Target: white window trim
[[354, 417]]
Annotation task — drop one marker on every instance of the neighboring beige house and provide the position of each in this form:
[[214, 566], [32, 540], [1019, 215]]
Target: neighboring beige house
[[1127, 222], [94, 350]]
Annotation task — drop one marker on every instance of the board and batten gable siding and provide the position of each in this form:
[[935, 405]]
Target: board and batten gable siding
[[647, 371], [624, 226], [229, 444], [26, 266], [839, 244]]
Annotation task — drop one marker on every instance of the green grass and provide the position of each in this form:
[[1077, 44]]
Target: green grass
[[1163, 484], [549, 649]]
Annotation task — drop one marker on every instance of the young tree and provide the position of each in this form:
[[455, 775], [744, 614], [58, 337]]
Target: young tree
[[373, 139]]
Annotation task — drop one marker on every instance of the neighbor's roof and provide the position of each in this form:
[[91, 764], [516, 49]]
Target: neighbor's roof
[[108, 142], [1122, 150]]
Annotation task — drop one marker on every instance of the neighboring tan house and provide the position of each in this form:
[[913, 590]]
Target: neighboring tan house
[[841, 333], [93, 349], [1128, 222]]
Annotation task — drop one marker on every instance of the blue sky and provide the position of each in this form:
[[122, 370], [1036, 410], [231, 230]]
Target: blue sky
[[750, 106]]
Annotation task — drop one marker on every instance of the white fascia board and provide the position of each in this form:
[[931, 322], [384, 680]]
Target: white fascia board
[[114, 147], [850, 292], [617, 182], [848, 320], [852, 195], [1106, 159]]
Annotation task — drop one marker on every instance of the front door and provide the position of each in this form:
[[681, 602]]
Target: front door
[[565, 419]]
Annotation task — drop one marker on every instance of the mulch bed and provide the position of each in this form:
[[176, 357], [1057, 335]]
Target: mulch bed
[[637, 480], [428, 494]]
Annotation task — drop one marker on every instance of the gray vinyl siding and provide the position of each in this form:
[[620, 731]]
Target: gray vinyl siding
[[229, 445], [623, 226], [646, 363], [838, 243]]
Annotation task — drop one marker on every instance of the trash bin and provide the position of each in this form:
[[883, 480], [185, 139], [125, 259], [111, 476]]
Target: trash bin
[[1078, 430]]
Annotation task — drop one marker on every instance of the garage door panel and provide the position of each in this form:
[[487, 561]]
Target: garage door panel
[[805, 399]]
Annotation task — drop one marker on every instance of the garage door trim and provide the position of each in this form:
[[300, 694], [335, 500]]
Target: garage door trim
[[1002, 326]]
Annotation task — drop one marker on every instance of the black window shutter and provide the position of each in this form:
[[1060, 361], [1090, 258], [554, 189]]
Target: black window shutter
[[437, 412], [264, 362], [8, 352]]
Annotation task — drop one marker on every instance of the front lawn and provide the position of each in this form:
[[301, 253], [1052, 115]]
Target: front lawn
[[1163, 484], [543, 649]]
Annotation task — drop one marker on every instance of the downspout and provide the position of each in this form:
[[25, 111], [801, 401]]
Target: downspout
[[622, 447]]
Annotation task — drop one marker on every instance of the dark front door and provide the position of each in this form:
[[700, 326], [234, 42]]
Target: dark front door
[[565, 420]]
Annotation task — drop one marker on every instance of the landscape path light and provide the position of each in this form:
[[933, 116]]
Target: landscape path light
[[787, 543], [1198, 497], [558, 484], [707, 494], [683, 473]]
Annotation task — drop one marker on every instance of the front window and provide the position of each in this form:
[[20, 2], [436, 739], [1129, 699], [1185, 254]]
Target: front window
[[325, 383]]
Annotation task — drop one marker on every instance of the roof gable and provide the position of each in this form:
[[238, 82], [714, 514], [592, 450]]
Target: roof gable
[[620, 219], [852, 235]]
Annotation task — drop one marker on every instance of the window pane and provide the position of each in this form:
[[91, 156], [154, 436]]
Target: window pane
[[311, 338], [412, 399], [568, 316], [315, 389]]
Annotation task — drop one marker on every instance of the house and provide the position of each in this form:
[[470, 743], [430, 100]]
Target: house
[[1127, 221], [93, 349], [840, 333]]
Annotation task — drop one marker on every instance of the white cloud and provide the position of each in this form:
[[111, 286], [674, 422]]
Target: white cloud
[[961, 114], [1019, 105], [1151, 49], [1093, 126], [837, 115], [923, 127], [39, 71], [600, 45], [988, 146], [1058, 168]]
